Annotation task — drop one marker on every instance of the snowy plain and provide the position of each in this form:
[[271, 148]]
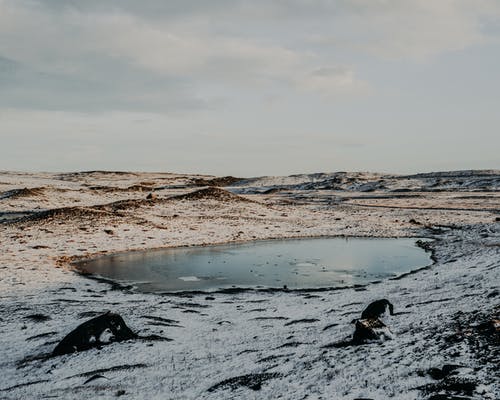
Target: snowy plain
[[283, 342]]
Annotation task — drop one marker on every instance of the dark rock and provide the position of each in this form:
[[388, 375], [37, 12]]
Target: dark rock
[[88, 334], [377, 308], [151, 196], [109, 231]]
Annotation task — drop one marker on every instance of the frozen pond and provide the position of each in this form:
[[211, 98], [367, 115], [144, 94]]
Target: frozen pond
[[296, 263]]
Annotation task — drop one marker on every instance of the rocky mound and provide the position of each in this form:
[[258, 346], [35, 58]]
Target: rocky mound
[[112, 189], [20, 193], [123, 205], [65, 213], [76, 176], [219, 181], [211, 193]]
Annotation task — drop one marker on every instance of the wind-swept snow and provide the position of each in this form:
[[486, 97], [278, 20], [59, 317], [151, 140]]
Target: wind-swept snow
[[253, 345]]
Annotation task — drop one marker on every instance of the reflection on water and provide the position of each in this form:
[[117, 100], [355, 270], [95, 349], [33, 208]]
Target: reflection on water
[[296, 263]]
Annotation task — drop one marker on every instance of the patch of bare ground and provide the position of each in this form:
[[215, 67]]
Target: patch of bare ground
[[123, 205], [21, 193], [212, 193], [219, 181], [76, 176], [113, 189], [66, 213]]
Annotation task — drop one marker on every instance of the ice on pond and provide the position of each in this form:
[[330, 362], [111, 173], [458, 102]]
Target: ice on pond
[[296, 263], [189, 278]]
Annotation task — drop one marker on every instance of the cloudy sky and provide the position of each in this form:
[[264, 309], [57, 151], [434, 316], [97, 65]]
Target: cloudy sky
[[249, 87]]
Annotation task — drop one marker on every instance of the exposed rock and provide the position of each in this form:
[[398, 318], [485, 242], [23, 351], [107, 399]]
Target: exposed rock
[[212, 193], [20, 193], [66, 214], [97, 331], [219, 181], [151, 196]]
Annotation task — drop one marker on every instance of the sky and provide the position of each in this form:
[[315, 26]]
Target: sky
[[249, 88]]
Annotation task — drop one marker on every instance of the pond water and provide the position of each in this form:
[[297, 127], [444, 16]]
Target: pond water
[[296, 263]]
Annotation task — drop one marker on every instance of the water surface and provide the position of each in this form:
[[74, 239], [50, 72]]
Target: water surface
[[296, 263]]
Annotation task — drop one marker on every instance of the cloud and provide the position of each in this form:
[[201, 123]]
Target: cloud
[[71, 55], [337, 80], [176, 55], [416, 29]]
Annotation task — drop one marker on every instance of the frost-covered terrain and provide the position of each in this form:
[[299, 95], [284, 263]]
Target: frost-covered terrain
[[245, 344]]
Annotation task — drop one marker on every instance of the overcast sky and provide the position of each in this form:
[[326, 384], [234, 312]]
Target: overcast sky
[[249, 88]]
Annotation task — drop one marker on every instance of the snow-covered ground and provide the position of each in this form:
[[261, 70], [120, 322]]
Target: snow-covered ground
[[274, 345]]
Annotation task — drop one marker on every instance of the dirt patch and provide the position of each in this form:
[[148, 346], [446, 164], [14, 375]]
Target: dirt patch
[[20, 193], [212, 193], [124, 205], [65, 213], [219, 181], [113, 189]]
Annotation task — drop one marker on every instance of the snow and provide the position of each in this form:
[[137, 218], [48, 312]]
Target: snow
[[283, 335]]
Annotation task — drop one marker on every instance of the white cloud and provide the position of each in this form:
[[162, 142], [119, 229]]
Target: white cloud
[[89, 46], [154, 54], [169, 49], [332, 81], [414, 29]]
